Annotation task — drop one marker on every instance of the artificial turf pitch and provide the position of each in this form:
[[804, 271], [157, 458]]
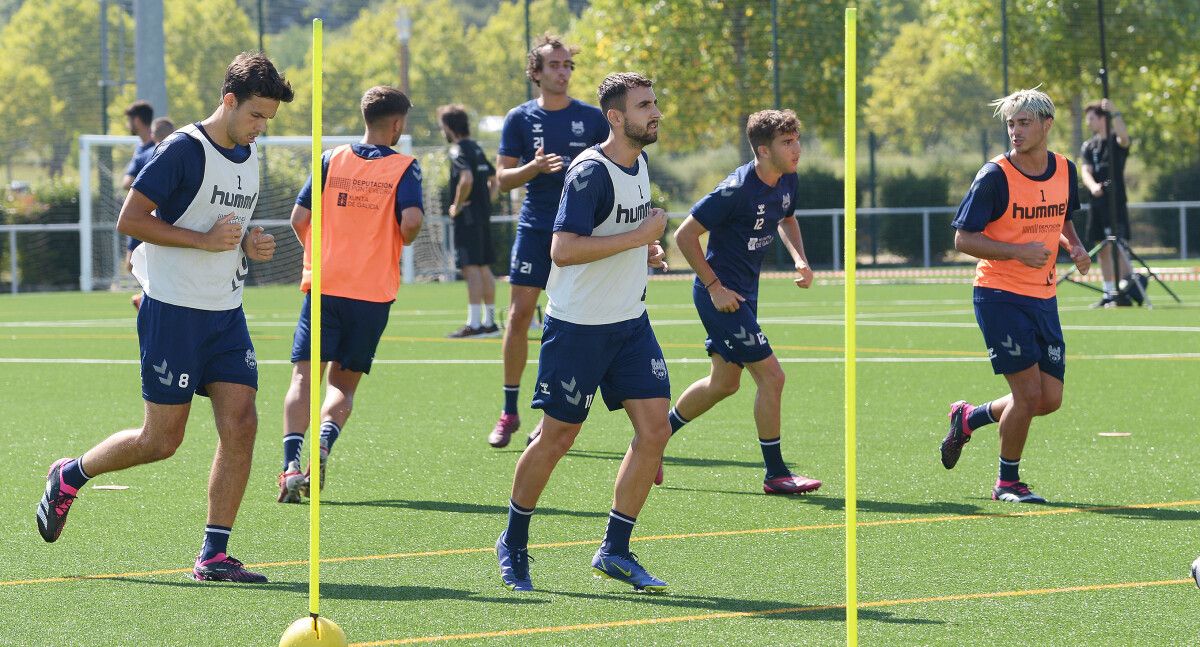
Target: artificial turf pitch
[[416, 498]]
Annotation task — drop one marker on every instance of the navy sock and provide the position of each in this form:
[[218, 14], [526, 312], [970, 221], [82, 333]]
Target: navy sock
[[1010, 470], [981, 416], [676, 420], [773, 458], [616, 536], [510, 398], [73, 474], [517, 534], [293, 444], [216, 541], [329, 434]]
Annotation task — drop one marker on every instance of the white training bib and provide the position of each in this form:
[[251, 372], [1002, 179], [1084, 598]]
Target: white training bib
[[612, 289], [194, 278]]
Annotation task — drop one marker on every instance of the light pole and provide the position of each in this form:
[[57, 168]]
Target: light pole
[[404, 32]]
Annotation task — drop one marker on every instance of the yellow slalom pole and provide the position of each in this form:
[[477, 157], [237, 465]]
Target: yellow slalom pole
[[851, 200], [314, 357]]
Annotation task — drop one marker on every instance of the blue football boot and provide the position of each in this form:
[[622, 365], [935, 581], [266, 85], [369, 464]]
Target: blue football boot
[[626, 569], [514, 566]]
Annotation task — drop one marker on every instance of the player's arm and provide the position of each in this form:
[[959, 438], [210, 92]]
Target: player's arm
[[462, 191], [493, 187], [513, 174], [1070, 241], [1089, 180], [410, 223], [1118, 123], [301, 221], [975, 243], [138, 220], [789, 233], [409, 203], [126, 181], [687, 239], [567, 248]]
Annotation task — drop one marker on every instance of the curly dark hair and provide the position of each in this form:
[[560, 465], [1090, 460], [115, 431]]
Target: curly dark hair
[[535, 60], [454, 117], [253, 74], [765, 125]]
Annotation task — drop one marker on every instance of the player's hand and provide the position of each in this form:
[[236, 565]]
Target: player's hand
[[1080, 257], [547, 163], [806, 276], [1098, 190], [259, 245], [224, 235], [654, 225], [452, 210], [1032, 254], [724, 299], [656, 256], [1107, 106]]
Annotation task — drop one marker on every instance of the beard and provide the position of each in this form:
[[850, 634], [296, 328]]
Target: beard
[[640, 135]]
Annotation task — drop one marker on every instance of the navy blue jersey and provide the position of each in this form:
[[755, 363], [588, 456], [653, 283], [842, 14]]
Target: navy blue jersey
[[141, 155], [173, 175], [408, 191], [565, 132], [742, 214], [987, 198]]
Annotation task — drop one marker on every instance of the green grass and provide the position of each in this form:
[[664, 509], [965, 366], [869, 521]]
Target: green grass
[[418, 497]]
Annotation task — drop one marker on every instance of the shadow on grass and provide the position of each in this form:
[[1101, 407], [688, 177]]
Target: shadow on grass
[[339, 591], [459, 507], [765, 609], [668, 460]]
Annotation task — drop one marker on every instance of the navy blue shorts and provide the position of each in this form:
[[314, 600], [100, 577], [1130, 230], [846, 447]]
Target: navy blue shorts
[[735, 336], [623, 359], [185, 349], [530, 262], [350, 331], [1020, 335]]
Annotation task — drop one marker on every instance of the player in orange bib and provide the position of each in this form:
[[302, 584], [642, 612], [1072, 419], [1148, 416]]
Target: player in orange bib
[[372, 205], [1015, 216]]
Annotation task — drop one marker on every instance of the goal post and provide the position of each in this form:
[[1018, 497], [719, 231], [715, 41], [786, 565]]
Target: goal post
[[284, 169]]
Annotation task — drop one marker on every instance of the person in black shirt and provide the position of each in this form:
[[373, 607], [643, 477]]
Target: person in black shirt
[[474, 185], [1106, 184]]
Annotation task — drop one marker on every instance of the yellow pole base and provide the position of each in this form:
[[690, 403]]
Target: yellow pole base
[[307, 632]]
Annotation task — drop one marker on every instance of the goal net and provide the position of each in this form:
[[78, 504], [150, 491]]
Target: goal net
[[284, 167]]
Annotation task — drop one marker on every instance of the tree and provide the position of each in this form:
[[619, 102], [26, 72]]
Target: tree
[[712, 61], [1055, 45], [919, 94], [51, 53], [365, 53]]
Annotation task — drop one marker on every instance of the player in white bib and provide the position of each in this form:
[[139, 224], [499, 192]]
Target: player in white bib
[[597, 333], [190, 205]]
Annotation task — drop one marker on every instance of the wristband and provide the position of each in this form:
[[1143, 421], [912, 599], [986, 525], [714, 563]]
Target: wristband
[[714, 282]]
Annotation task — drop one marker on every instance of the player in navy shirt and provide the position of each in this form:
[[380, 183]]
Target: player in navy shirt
[[742, 215], [537, 144], [191, 318], [138, 117]]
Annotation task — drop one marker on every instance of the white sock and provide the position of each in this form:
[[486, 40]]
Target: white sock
[[474, 311], [1110, 287], [489, 315]]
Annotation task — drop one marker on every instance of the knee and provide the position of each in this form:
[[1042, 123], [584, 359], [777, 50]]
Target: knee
[[1029, 402], [558, 443], [724, 388], [1050, 403], [159, 446], [655, 436]]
